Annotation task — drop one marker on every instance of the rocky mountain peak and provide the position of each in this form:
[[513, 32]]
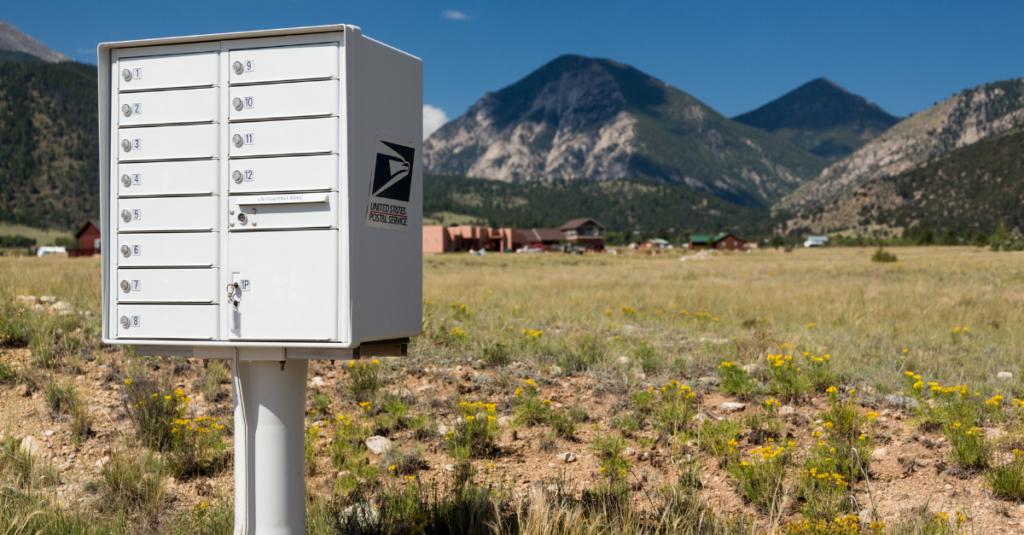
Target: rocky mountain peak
[[15, 40]]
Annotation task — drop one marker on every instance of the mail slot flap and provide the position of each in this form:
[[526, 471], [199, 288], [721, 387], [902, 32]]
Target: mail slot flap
[[297, 136], [167, 178], [305, 62], [167, 107], [161, 72], [168, 249], [167, 142], [181, 322], [285, 211], [166, 213], [302, 99], [292, 173], [167, 285]]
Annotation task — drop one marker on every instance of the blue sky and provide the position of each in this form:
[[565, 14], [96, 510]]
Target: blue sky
[[733, 55]]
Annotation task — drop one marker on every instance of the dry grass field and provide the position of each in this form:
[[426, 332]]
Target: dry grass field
[[812, 392]]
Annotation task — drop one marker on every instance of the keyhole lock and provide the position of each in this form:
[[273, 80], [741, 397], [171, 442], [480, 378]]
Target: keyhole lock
[[126, 145], [126, 110], [237, 140], [237, 66], [125, 251], [242, 218], [125, 322], [237, 177], [126, 287], [126, 181], [127, 75], [237, 103], [126, 215], [234, 295]]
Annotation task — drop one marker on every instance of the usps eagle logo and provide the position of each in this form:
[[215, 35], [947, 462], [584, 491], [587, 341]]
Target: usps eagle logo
[[391, 184]]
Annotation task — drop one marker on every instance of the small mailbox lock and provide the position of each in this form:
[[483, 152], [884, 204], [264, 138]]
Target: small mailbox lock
[[126, 215], [237, 177], [234, 294], [237, 66], [242, 219], [126, 287], [126, 181], [237, 103], [125, 322], [126, 145], [237, 140], [126, 251], [126, 110], [127, 75]]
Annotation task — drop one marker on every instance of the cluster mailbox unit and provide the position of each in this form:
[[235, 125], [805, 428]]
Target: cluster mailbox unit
[[261, 199]]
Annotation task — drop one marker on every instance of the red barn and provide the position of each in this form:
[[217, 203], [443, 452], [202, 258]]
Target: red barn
[[88, 239]]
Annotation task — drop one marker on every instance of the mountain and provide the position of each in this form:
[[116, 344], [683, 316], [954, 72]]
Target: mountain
[[967, 190], [587, 118], [48, 144], [617, 204], [13, 39], [822, 118], [963, 119]]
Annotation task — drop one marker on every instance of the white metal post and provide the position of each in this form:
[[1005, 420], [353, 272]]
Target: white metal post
[[270, 490]]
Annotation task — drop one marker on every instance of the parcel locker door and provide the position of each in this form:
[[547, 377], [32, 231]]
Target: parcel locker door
[[147, 214], [294, 173], [163, 72], [167, 285], [297, 136], [305, 62], [167, 178], [169, 322], [200, 249], [167, 107], [287, 285], [274, 101], [167, 142]]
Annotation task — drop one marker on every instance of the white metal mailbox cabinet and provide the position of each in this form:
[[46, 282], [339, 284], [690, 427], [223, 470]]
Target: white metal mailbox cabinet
[[261, 190]]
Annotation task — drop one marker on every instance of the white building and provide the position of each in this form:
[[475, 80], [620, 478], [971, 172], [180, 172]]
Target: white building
[[816, 241]]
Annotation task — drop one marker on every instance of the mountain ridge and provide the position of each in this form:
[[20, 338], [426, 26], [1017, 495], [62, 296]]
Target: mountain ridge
[[15, 40]]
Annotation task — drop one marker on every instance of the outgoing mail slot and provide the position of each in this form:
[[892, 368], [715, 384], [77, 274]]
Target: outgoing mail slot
[[166, 213], [167, 142], [284, 211], [191, 249], [183, 322], [295, 173], [161, 72], [167, 107], [301, 136], [303, 99], [167, 178], [306, 62], [167, 285]]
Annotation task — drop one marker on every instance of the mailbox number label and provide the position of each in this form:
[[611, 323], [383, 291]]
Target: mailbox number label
[[244, 285], [136, 285], [249, 102], [247, 139], [137, 144], [136, 250], [136, 109], [136, 321], [137, 73], [247, 175], [136, 179], [250, 65], [136, 213]]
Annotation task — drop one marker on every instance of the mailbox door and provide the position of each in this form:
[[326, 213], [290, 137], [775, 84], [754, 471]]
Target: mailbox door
[[166, 213], [295, 173], [167, 142], [305, 62], [167, 285], [299, 136], [200, 249], [167, 178], [284, 211], [182, 322], [273, 101], [163, 72], [288, 284], [167, 107]]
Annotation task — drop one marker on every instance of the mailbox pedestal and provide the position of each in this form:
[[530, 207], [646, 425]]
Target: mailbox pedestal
[[270, 404]]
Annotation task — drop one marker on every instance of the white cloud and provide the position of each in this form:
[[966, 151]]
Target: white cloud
[[454, 15], [433, 118]]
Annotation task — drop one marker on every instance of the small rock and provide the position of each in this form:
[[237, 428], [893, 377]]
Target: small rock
[[27, 300], [449, 467], [22, 390], [317, 382], [379, 445], [443, 429], [424, 388], [61, 307], [504, 420], [1005, 376], [949, 487], [342, 474], [865, 516], [879, 454], [629, 452], [568, 457], [639, 374], [623, 360], [902, 401], [708, 381], [49, 432], [31, 445], [750, 368], [786, 411], [700, 417], [102, 462], [732, 406], [994, 433], [47, 299], [363, 514], [38, 307], [401, 392], [555, 370]]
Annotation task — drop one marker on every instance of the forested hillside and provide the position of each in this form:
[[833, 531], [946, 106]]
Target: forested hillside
[[48, 144]]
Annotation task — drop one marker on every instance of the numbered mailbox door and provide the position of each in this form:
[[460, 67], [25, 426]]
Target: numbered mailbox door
[[169, 322], [167, 142], [285, 210], [167, 285], [166, 213], [287, 285], [167, 178], [293, 173], [164, 72], [303, 99], [305, 62], [297, 136], [199, 249], [167, 107]]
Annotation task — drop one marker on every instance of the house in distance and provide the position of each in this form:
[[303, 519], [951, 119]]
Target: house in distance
[[718, 242], [583, 232]]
